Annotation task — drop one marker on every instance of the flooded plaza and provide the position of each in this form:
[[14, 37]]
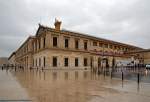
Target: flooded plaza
[[71, 86]]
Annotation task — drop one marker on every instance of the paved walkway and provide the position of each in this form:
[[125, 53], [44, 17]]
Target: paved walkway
[[10, 89]]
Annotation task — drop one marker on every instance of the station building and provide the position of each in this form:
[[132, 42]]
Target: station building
[[55, 48]]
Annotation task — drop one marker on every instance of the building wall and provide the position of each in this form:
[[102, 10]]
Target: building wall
[[35, 49], [12, 59], [49, 54], [147, 57], [24, 55]]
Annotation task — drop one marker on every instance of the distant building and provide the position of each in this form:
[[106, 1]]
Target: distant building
[[141, 55], [54, 48], [3, 60]]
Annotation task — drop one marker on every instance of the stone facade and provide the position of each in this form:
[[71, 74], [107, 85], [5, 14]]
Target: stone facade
[[24, 55], [12, 58], [53, 48]]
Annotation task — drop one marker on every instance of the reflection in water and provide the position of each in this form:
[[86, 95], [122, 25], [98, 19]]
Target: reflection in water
[[138, 87], [74, 86], [54, 75], [76, 74], [66, 75], [146, 72], [44, 75], [85, 74]]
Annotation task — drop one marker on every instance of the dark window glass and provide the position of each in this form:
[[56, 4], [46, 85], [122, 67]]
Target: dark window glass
[[106, 45], [39, 44], [76, 62], [100, 44], [66, 62], [85, 61], [44, 61], [85, 45], [55, 41], [66, 43], [94, 43], [76, 44], [54, 61], [39, 62], [44, 42]]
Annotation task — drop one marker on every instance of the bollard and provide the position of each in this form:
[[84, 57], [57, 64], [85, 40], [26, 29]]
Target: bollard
[[111, 74], [138, 78], [99, 72], [44, 75], [122, 76], [104, 73]]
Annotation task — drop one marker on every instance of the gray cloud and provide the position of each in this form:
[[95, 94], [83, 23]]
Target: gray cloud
[[120, 20]]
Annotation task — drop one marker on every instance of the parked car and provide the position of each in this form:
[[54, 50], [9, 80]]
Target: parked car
[[147, 66]]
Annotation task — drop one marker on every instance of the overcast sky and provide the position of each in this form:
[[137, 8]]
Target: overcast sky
[[126, 21]]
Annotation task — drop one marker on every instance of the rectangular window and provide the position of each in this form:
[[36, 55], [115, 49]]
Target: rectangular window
[[110, 46], [54, 61], [76, 44], [66, 62], [85, 45], [94, 43], [76, 62], [39, 44], [100, 44], [44, 42], [39, 62], [106, 45], [44, 61], [55, 41], [85, 61], [66, 43]]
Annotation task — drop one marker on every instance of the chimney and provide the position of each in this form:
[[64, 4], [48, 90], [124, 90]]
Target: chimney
[[57, 24]]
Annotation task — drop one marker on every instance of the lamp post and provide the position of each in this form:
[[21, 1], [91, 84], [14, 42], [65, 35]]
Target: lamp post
[[103, 59]]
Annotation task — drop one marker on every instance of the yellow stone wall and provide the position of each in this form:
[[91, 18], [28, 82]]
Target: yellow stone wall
[[33, 49]]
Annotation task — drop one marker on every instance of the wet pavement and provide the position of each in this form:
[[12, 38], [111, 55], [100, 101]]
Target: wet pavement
[[71, 86]]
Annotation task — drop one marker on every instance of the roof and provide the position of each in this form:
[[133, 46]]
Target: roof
[[42, 27], [11, 55], [30, 37], [140, 51]]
